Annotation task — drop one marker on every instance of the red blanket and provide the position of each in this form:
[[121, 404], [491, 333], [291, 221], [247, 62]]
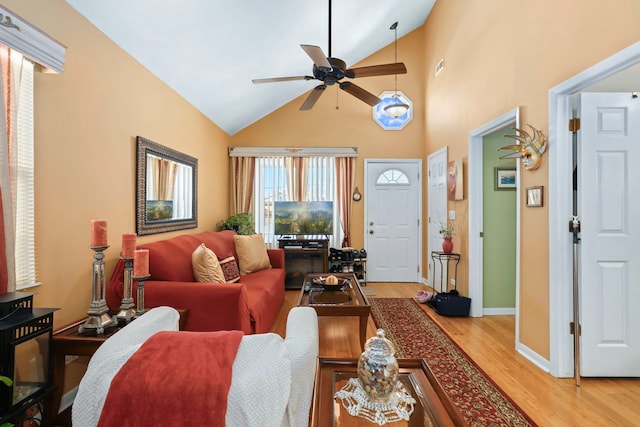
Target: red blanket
[[174, 379]]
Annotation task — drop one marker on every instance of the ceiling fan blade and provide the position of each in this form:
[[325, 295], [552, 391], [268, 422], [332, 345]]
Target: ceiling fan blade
[[360, 93], [377, 70], [313, 97], [281, 79], [317, 56]]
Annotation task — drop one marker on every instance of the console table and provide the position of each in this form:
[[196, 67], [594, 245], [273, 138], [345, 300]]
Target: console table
[[444, 269]]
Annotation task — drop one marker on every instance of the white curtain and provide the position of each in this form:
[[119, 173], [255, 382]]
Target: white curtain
[[182, 197], [272, 183], [17, 74]]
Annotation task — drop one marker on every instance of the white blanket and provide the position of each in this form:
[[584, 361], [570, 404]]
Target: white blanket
[[272, 382]]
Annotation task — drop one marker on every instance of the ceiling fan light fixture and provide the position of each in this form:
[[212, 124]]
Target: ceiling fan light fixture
[[398, 108]]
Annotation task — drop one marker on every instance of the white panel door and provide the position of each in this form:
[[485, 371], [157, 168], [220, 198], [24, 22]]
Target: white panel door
[[392, 220], [437, 208], [609, 209]]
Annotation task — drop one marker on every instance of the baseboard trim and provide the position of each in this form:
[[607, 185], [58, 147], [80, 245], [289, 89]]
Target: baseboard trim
[[533, 357], [498, 311]]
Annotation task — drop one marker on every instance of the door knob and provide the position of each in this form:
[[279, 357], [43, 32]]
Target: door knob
[[370, 231], [371, 223]]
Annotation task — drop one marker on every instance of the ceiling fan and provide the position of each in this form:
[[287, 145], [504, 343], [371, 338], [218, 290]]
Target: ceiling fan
[[331, 70]]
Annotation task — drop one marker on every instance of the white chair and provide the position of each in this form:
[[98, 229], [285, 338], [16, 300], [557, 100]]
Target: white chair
[[272, 380]]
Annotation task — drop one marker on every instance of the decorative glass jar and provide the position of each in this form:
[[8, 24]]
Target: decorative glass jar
[[378, 368]]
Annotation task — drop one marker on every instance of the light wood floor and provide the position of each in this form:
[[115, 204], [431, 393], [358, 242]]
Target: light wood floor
[[490, 342]]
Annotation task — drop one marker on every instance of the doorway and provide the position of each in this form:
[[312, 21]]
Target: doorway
[[561, 109], [476, 217], [393, 208]]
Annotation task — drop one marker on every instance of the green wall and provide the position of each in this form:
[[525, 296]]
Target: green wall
[[499, 227]]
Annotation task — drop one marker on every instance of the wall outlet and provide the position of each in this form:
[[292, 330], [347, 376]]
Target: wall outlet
[[452, 215], [453, 282]]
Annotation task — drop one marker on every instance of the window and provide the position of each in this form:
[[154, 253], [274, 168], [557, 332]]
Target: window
[[392, 177], [18, 109], [275, 182]]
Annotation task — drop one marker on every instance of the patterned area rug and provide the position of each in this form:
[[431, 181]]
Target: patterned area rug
[[415, 335]]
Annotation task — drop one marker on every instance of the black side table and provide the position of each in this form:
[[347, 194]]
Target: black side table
[[444, 269]]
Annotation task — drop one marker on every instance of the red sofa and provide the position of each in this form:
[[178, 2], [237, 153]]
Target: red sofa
[[250, 305]]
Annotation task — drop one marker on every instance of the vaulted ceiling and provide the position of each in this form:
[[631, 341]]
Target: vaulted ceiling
[[208, 51]]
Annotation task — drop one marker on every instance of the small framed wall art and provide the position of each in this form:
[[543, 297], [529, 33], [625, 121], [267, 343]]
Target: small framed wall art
[[504, 178], [534, 196]]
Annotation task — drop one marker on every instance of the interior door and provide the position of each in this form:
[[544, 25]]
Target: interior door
[[609, 208], [392, 220], [437, 207]]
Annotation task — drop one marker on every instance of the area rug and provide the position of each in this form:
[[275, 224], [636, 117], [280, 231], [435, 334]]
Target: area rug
[[369, 292], [417, 336]]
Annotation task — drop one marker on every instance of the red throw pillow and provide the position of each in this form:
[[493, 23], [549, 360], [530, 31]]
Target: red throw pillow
[[230, 269]]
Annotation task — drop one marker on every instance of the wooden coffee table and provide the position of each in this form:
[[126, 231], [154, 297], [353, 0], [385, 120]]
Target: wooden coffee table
[[350, 301], [433, 407]]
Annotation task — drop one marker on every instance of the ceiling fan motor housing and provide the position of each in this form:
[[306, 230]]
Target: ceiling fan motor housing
[[332, 75]]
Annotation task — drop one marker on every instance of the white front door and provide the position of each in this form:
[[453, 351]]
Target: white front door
[[437, 208], [393, 194], [609, 210]]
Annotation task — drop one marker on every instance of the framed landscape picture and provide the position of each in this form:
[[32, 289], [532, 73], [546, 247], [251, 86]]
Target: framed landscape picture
[[505, 178]]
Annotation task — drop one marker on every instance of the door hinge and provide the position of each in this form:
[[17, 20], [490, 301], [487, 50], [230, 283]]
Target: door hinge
[[574, 225], [572, 329], [482, 234], [574, 125]]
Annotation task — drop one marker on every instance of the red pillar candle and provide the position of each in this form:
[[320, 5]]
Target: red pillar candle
[[128, 245], [141, 263], [98, 232]]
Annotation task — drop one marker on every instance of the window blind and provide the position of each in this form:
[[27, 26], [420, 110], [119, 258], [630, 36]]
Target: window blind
[[25, 196]]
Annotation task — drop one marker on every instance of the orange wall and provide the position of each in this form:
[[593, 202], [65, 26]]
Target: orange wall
[[499, 54], [87, 119], [352, 124]]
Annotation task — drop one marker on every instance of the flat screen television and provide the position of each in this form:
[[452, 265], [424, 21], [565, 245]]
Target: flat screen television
[[300, 218]]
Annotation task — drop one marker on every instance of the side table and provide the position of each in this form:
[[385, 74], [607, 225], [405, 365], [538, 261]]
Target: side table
[[444, 268], [67, 342]]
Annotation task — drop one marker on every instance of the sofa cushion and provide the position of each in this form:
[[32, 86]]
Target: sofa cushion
[[221, 242], [206, 266], [230, 269], [170, 260], [252, 253]]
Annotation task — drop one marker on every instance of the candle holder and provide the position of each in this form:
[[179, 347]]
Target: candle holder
[[99, 319], [140, 306], [127, 307]]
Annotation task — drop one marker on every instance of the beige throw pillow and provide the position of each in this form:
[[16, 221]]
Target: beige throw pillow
[[252, 253], [206, 267]]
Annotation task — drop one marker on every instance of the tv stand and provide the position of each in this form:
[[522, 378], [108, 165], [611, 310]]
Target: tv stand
[[303, 255]]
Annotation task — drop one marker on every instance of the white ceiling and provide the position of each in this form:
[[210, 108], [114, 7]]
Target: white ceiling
[[209, 50]]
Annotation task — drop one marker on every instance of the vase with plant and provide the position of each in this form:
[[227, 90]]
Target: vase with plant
[[447, 231], [241, 223]]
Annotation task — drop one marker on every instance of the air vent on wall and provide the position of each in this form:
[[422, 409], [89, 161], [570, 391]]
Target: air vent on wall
[[439, 66]]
